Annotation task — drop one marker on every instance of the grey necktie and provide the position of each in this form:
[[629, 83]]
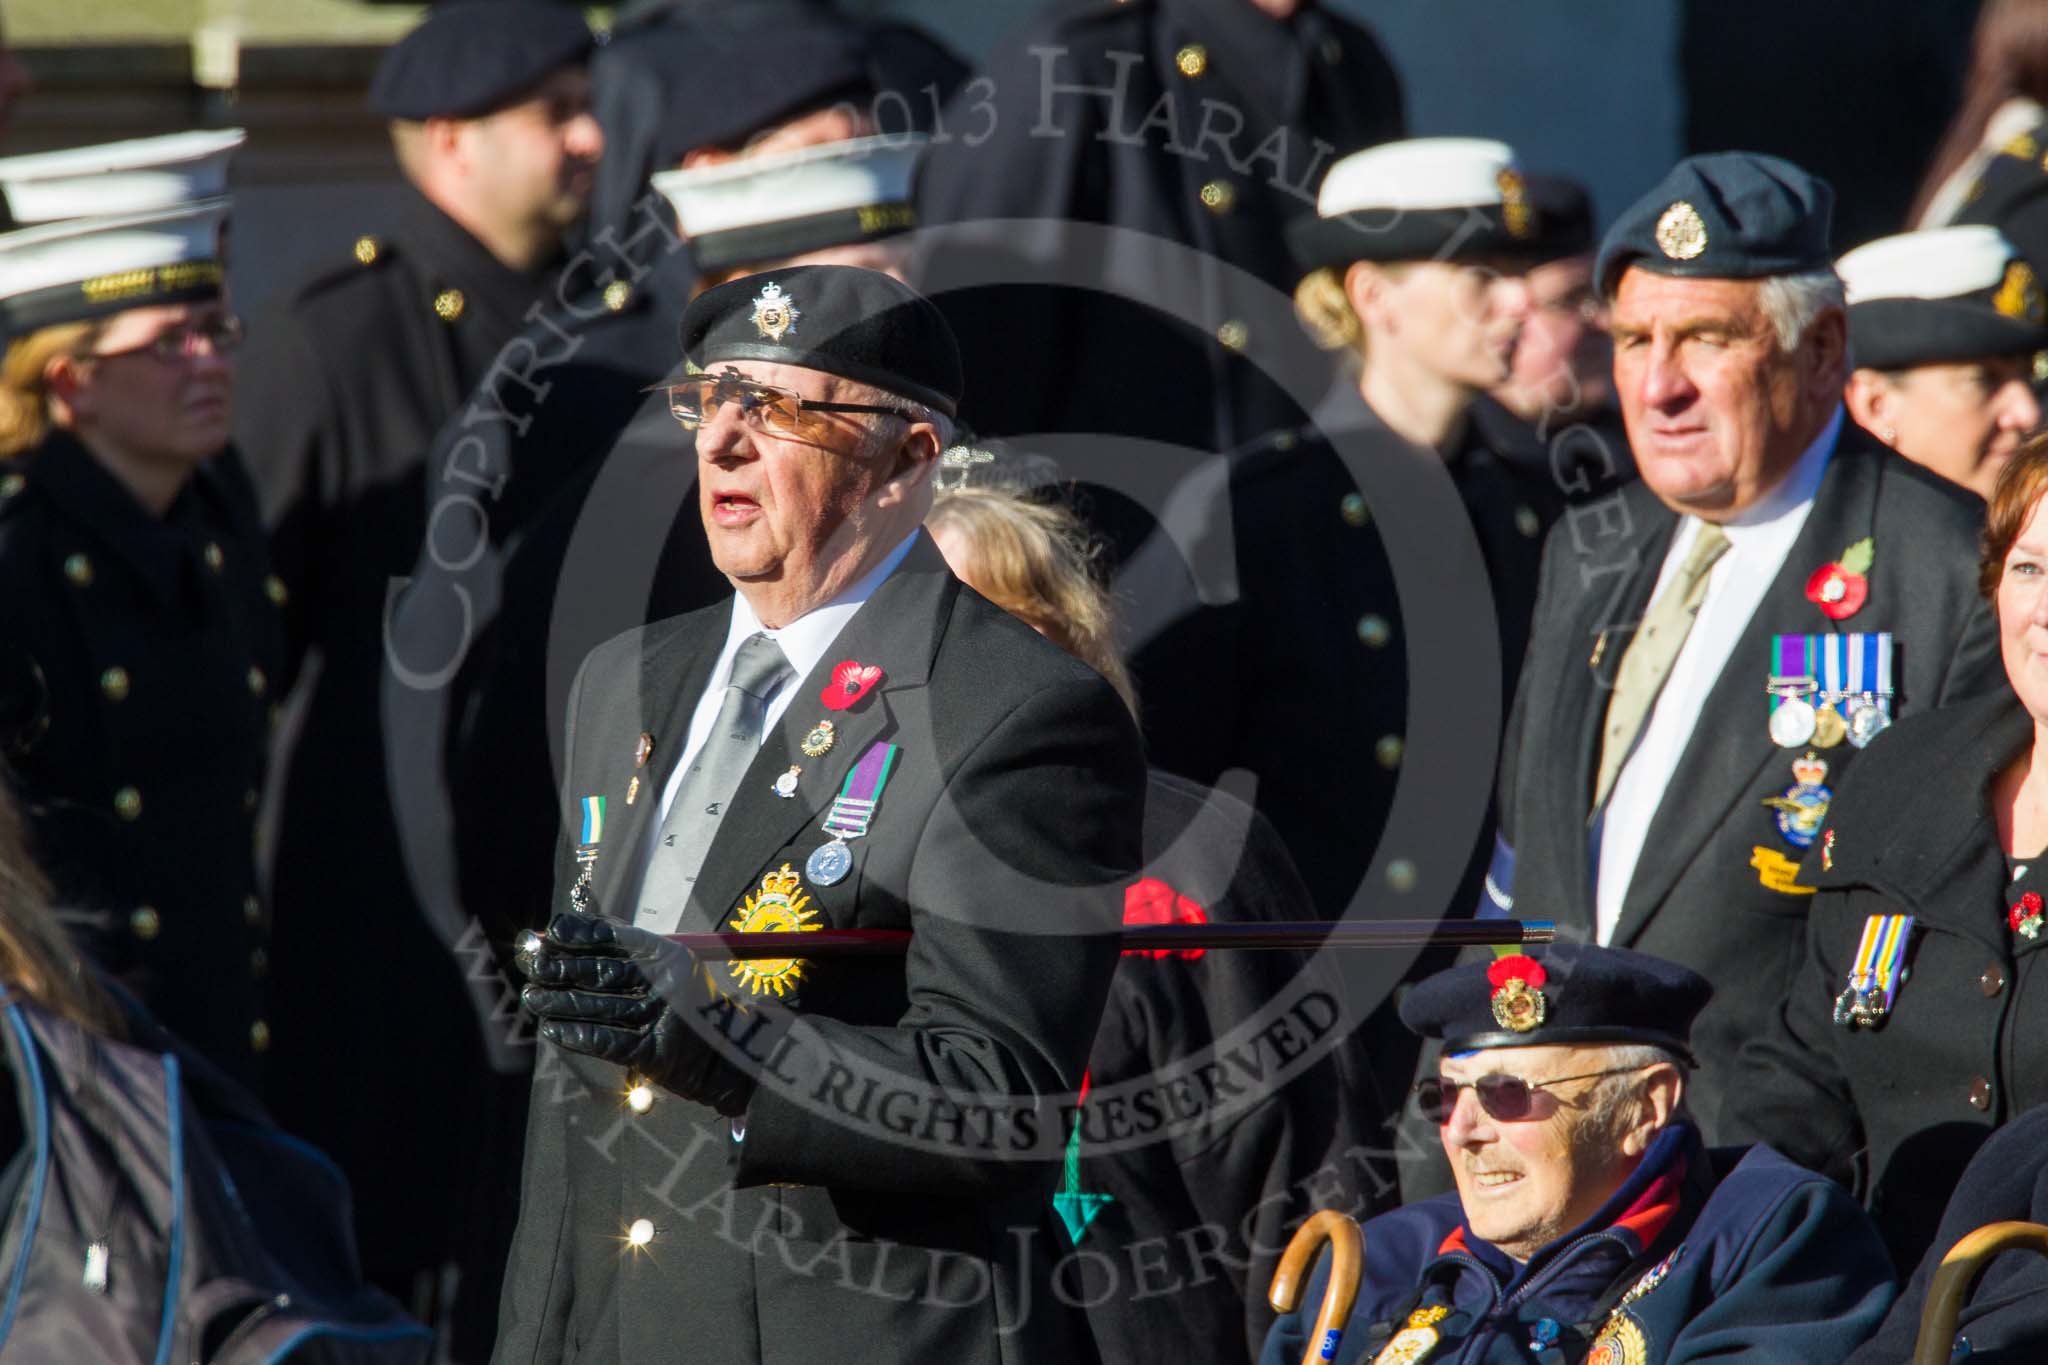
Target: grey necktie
[[715, 771]]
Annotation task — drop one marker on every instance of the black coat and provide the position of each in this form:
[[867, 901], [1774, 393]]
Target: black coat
[[344, 388], [1277, 102], [2012, 195], [1225, 1104], [1896, 1111], [1698, 896], [824, 1235], [2005, 1319], [136, 665]]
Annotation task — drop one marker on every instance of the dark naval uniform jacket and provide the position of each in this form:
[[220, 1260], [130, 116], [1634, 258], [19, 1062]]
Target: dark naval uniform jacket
[[2005, 1318], [1202, 123], [1700, 1254], [344, 388], [827, 1231], [136, 673], [2012, 195], [1896, 1111], [1714, 887]]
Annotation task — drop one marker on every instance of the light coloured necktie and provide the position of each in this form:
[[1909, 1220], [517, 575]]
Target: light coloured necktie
[[715, 771], [1652, 653]]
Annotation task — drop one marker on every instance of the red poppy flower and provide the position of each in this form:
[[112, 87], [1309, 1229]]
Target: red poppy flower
[[1838, 593], [2026, 914], [1151, 901], [850, 682], [1506, 969]]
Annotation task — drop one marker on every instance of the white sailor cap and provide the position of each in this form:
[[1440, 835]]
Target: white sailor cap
[[95, 267], [1944, 294], [140, 175], [1427, 198], [766, 208]]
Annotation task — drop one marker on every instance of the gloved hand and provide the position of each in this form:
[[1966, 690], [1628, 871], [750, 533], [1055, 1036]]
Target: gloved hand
[[608, 990]]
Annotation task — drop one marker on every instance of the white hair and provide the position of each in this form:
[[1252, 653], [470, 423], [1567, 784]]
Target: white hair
[[1611, 1106], [1792, 302]]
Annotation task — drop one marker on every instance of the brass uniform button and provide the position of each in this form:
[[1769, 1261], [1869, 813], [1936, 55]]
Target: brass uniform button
[[128, 803], [1373, 631], [1219, 196], [448, 304], [1993, 980], [114, 683], [1192, 60], [78, 569], [258, 683], [259, 963], [252, 909], [1980, 1094], [12, 485], [273, 588], [1389, 750], [145, 923], [216, 559], [259, 1036], [1354, 510], [617, 295], [1401, 875], [367, 250], [1528, 523], [1233, 335]]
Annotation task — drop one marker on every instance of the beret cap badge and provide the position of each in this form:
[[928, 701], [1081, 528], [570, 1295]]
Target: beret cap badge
[[775, 313], [1681, 233], [1518, 1003]]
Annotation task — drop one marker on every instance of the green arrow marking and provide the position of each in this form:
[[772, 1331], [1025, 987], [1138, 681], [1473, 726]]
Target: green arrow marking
[[1078, 1210]]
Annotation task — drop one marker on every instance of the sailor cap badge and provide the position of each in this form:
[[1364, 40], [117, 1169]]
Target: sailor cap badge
[[775, 314], [1681, 233], [1515, 212], [2019, 296]]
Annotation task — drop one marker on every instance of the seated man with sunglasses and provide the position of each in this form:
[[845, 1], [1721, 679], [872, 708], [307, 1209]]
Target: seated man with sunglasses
[[1590, 1223]]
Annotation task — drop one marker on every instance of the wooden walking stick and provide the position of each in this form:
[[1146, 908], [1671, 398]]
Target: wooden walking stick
[[1347, 1267], [1957, 1275]]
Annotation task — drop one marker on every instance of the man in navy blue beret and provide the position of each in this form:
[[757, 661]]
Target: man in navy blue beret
[[1590, 1222], [1715, 644]]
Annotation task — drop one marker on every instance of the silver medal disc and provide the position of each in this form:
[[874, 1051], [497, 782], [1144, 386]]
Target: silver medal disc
[[829, 863], [1792, 723], [1867, 721]]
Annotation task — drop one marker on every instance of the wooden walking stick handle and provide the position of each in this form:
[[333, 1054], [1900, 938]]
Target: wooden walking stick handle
[[1347, 1268], [1957, 1275]]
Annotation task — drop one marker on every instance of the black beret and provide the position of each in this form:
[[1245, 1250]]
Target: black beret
[[1941, 295], [1423, 199], [1568, 993], [1723, 215], [469, 57], [858, 324], [731, 82]]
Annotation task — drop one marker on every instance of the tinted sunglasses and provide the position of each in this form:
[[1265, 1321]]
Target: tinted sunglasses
[[1507, 1099], [695, 400]]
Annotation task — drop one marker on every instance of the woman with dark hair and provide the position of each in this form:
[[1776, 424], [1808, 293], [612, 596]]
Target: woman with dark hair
[[1911, 1031]]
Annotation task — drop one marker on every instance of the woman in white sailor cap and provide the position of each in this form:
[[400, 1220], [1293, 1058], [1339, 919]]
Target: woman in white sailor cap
[[1413, 267], [139, 631], [1944, 327]]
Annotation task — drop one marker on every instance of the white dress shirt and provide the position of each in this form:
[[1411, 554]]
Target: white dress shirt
[[1759, 538], [805, 642]]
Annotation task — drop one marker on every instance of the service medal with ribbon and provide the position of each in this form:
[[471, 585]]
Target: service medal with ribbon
[[777, 908], [591, 835], [1416, 1339], [851, 813], [1876, 972]]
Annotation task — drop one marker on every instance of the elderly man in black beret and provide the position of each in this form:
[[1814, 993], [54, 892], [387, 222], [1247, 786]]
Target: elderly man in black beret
[[1590, 1223], [1714, 645], [817, 1157]]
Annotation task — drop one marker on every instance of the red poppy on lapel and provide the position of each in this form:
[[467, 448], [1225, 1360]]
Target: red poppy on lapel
[[1840, 589], [850, 682], [2025, 917], [1151, 901]]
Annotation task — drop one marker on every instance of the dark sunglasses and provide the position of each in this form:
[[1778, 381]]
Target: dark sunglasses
[[217, 336], [1507, 1099], [697, 399]]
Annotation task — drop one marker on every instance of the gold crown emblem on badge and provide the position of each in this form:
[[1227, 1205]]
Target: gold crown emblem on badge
[[777, 908], [2019, 294], [1515, 210], [775, 314], [1681, 232], [1810, 771]]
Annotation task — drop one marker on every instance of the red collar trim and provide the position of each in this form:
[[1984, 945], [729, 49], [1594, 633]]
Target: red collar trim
[[1645, 1219]]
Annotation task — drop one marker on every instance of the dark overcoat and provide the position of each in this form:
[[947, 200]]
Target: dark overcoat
[[1896, 1111], [854, 1216], [1713, 887], [137, 665]]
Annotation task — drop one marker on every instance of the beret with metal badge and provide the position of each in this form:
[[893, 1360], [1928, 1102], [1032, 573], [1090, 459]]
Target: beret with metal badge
[[1574, 993], [1723, 215]]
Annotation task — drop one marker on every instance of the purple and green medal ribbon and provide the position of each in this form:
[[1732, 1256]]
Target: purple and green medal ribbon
[[1838, 667], [854, 807], [1792, 668]]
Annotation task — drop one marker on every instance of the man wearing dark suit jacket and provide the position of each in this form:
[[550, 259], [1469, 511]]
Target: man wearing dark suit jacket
[[802, 1160], [1712, 647]]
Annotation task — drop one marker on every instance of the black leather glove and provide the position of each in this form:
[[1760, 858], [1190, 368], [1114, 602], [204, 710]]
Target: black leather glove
[[608, 990]]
